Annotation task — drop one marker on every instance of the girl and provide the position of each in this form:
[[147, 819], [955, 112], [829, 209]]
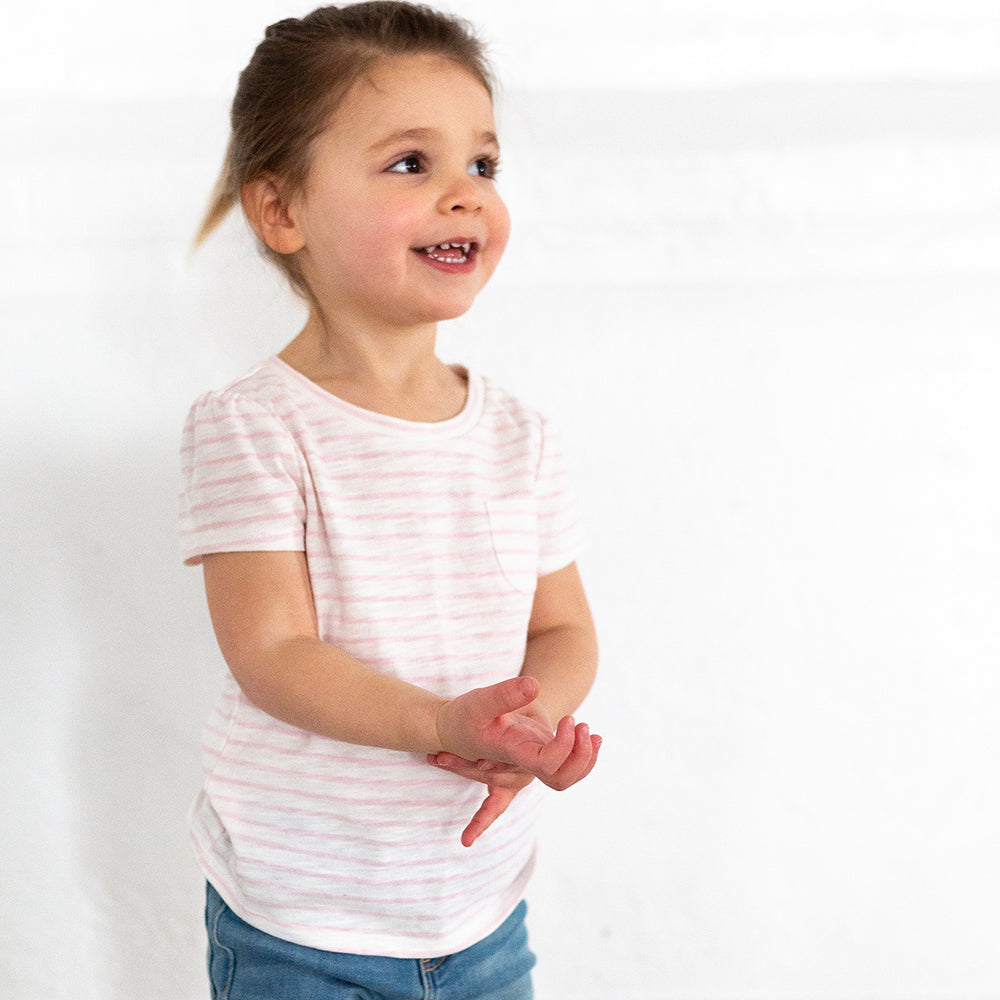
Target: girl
[[387, 544]]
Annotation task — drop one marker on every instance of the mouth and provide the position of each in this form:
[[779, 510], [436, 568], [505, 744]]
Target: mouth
[[455, 252]]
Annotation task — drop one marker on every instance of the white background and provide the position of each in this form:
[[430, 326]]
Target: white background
[[755, 277]]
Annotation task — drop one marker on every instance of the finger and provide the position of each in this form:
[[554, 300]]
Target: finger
[[485, 771], [552, 756], [494, 806], [507, 696], [581, 760], [578, 763], [596, 743], [452, 762], [449, 760]]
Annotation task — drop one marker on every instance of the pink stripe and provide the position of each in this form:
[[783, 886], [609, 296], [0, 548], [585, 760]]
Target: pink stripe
[[338, 779], [336, 515], [258, 457], [354, 834], [332, 816], [402, 578], [418, 536], [336, 857], [424, 497], [246, 500], [299, 792], [409, 536], [402, 475], [484, 454], [381, 600], [208, 527], [202, 441], [195, 545], [360, 642], [467, 679], [497, 847], [402, 558], [407, 619], [247, 477], [329, 816]]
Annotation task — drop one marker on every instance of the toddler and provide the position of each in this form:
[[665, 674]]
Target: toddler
[[387, 543]]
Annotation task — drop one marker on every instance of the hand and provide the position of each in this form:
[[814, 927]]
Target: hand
[[504, 781], [495, 723], [506, 719]]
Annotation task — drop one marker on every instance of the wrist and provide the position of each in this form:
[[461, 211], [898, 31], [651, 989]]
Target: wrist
[[433, 727], [408, 713], [440, 724]]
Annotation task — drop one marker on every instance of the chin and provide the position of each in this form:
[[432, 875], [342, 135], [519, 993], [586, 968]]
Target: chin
[[441, 311], [456, 312]]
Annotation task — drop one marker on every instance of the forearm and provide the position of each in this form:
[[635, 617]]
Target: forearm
[[564, 661], [318, 687]]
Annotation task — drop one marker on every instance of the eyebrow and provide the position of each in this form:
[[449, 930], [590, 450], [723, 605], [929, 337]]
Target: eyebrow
[[423, 135]]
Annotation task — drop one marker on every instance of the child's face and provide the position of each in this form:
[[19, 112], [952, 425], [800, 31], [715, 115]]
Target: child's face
[[404, 169]]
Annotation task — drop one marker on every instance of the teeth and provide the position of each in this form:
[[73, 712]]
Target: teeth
[[464, 247]]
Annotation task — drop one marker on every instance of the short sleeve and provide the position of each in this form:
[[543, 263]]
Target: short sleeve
[[241, 480], [560, 532]]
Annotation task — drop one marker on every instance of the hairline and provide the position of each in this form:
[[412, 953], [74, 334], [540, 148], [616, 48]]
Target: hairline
[[363, 73]]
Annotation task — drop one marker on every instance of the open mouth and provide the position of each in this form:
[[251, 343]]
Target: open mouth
[[450, 253]]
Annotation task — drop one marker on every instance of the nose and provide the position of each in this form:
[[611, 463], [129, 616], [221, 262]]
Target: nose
[[461, 194]]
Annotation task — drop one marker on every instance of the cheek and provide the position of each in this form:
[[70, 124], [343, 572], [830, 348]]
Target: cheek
[[389, 229], [499, 230], [374, 246]]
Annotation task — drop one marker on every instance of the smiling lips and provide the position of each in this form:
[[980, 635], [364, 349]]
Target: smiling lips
[[449, 253]]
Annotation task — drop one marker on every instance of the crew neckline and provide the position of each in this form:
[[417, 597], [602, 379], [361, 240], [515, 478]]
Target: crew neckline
[[462, 421]]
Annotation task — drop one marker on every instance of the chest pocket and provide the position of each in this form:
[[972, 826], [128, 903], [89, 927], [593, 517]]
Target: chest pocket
[[514, 534]]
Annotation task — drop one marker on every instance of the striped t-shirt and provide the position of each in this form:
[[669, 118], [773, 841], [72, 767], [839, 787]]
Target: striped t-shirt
[[424, 542]]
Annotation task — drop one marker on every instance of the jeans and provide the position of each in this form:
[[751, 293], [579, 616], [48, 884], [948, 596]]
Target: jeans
[[247, 964]]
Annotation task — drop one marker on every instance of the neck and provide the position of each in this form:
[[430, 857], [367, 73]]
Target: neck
[[389, 371], [342, 348]]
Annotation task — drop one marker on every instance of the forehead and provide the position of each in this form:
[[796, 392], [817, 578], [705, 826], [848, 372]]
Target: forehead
[[402, 93]]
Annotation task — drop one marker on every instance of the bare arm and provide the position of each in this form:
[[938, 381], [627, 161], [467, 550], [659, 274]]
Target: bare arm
[[561, 656], [562, 644], [262, 609]]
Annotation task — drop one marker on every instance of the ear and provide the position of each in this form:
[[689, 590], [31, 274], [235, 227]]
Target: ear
[[267, 209]]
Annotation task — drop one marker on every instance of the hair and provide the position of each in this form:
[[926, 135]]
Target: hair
[[297, 78]]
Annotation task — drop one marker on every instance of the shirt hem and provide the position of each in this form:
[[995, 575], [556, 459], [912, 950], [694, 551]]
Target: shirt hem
[[374, 945]]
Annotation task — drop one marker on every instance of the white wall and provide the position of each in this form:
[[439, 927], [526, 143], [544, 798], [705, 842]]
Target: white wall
[[755, 275]]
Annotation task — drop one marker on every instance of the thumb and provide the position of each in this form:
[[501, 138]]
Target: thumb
[[507, 696], [462, 721]]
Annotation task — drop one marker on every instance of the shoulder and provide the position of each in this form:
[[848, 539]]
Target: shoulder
[[253, 415], [264, 387], [265, 400], [503, 408], [501, 405]]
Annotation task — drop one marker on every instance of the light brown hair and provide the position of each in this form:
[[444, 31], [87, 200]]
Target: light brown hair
[[298, 76]]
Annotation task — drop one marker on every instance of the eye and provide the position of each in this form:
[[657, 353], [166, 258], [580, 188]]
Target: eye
[[412, 163], [485, 166]]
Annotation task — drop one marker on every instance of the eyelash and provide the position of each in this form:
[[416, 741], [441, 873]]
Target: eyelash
[[490, 165]]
